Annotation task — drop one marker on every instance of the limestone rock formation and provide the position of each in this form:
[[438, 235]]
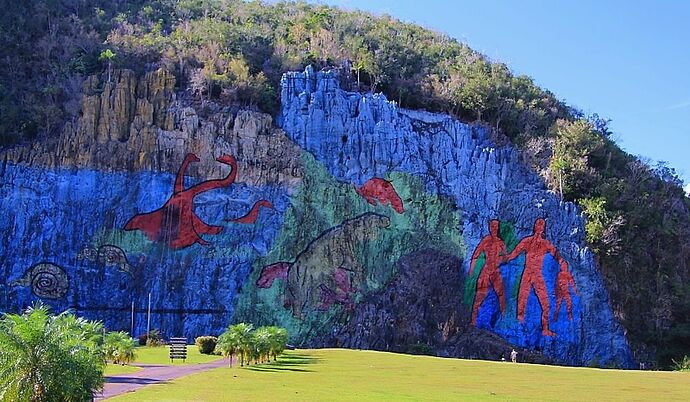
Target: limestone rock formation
[[362, 136], [137, 124], [450, 198]]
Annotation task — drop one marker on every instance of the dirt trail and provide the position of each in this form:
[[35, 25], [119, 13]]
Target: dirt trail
[[151, 374]]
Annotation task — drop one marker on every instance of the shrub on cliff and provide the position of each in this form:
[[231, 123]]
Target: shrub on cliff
[[48, 357], [206, 344]]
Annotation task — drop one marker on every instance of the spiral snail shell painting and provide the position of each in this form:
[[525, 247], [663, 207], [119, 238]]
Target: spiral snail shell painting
[[47, 280]]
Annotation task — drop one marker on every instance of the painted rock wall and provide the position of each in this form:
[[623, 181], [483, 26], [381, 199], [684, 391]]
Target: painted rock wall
[[357, 224], [529, 276]]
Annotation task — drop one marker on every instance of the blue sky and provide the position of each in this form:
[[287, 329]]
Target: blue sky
[[628, 61]]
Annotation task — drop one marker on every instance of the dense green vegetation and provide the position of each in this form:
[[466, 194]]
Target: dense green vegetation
[[46, 357], [346, 375], [229, 51], [119, 347], [260, 345]]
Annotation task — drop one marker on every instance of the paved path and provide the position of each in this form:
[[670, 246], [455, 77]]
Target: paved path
[[152, 374]]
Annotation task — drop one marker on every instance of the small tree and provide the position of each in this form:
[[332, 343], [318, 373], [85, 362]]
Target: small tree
[[228, 345], [681, 365], [119, 348], [261, 341], [237, 339], [108, 56], [49, 358], [278, 338]]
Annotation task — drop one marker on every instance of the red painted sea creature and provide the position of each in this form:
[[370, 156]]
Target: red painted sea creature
[[252, 215], [381, 190], [175, 223]]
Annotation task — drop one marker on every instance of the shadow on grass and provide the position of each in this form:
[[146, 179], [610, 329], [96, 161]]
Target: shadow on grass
[[289, 362], [133, 380]]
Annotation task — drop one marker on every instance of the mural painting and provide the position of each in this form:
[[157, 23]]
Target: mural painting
[[495, 254], [47, 280], [347, 249], [564, 281], [326, 270], [328, 248], [535, 249], [381, 190], [175, 223], [107, 255], [253, 214]]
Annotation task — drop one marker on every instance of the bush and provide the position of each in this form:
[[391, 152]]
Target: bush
[[47, 357], [153, 338], [419, 349], [206, 344], [118, 347], [681, 365]]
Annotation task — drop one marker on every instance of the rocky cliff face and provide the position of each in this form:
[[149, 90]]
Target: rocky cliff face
[[520, 285], [69, 199], [356, 224]]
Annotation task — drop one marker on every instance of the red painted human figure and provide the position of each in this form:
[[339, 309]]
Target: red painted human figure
[[535, 248], [563, 282], [175, 223], [494, 253]]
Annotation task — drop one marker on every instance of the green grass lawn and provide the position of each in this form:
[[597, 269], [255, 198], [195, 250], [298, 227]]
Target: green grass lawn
[[336, 374], [159, 355], [113, 369]]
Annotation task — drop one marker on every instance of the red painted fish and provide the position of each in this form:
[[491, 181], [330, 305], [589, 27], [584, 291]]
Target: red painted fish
[[378, 189], [251, 216]]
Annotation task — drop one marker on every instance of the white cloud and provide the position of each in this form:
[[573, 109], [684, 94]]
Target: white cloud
[[687, 189], [678, 106]]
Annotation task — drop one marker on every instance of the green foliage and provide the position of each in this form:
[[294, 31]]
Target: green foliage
[[119, 347], [260, 344], [48, 357], [152, 338], [107, 55], [682, 364], [236, 340], [206, 344], [577, 147], [420, 349]]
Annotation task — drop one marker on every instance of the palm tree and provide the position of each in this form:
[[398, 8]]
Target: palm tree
[[49, 358], [243, 333], [227, 345], [237, 339], [108, 56], [119, 347], [278, 338], [262, 343]]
